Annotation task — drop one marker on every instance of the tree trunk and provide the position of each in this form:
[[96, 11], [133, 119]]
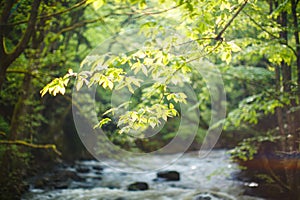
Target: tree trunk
[[3, 70], [17, 122], [7, 58]]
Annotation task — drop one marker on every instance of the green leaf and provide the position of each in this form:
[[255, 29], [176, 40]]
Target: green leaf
[[110, 85], [134, 116], [79, 84], [142, 4], [144, 70], [234, 47], [226, 56], [102, 122], [98, 4], [44, 90]]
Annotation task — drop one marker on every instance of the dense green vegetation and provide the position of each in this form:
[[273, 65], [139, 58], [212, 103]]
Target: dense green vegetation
[[248, 49]]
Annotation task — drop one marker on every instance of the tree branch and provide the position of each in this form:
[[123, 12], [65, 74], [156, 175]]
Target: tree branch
[[20, 71], [31, 145], [29, 30], [6, 58], [3, 19], [207, 53], [271, 34], [219, 36], [79, 24], [154, 13], [49, 15]]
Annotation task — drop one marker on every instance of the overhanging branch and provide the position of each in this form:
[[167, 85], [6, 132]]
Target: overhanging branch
[[3, 19], [29, 30], [271, 34], [31, 145], [219, 36], [49, 15], [79, 24]]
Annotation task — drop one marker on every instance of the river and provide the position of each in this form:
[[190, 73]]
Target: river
[[208, 178]]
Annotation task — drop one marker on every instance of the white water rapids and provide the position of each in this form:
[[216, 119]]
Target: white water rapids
[[207, 178]]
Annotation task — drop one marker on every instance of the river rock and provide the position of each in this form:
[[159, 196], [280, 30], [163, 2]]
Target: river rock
[[138, 186], [99, 172], [168, 176], [61, 185], [41, 182], [98, 168], [82, 170], [203, 197], [63, 175], [58, 180]]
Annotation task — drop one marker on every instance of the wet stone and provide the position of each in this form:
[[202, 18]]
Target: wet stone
[[138, 186], [98, 173], [82, 169], [203, 197], [61, 185], [63, 175], [120, 198], [168, 176], [41, 183], [98, 168]]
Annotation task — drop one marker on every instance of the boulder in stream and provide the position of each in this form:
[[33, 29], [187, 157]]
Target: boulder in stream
[[65, 175], [82, 169], [61, 185], [97, 168], [138, 186], [58, 180], [203, 197], [168, 176]]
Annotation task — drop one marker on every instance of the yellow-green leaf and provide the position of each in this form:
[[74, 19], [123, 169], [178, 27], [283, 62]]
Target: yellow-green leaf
[[98, 4]]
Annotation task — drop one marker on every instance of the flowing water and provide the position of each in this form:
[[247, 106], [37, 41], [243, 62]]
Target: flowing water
[[208, 178]]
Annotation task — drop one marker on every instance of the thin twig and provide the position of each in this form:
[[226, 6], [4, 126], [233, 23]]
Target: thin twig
[[49, 15], [206, 54], [271, 34], [219, 36], [78, 25], [155, 13]]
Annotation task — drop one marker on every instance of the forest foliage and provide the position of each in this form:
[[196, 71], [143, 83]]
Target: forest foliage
[[50, 47]]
